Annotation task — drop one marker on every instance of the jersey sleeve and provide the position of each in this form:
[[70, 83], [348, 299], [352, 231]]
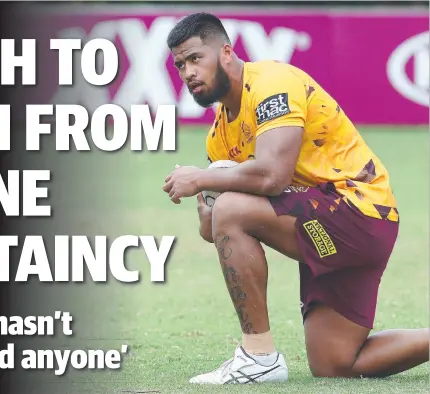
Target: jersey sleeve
[[211, 150], [215, 148], [279, 101]]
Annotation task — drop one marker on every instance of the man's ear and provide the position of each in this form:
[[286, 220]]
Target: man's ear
[[227, 53]]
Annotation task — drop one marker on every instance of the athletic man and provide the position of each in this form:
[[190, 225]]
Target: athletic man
[[307, 186]]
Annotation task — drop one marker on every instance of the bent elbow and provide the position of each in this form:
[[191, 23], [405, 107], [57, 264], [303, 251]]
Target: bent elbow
[[273, 187]]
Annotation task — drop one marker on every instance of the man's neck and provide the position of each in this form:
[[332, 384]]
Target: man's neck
[[233, 99]]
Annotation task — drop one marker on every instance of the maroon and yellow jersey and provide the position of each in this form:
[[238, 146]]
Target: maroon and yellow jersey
[[277, 95]]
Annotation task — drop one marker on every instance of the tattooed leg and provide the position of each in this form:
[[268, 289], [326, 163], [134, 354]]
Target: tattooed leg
[[240, 224], [244, 266]]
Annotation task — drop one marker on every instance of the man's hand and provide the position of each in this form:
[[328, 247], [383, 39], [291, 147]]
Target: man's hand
[[205, 215], [182, 182]]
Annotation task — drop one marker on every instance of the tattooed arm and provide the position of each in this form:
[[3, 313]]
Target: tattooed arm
[[276, 155]]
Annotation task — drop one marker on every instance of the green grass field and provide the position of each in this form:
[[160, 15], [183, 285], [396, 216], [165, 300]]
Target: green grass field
[[188, 325]]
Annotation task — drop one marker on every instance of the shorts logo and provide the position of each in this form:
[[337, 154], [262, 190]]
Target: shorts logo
[[273, 107], [297, 189], [320, 238]]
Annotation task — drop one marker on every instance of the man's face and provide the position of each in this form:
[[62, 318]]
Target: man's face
[[200, 68]]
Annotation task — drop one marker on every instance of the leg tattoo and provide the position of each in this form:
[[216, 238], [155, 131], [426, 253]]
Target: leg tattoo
[[233, 281], [221, 245]]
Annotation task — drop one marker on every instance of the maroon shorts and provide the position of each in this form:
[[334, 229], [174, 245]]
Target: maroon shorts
[[345, 252]]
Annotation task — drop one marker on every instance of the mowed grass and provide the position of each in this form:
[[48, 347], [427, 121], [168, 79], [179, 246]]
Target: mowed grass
[[187, 325]]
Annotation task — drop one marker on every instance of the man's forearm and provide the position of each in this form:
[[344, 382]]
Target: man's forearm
[[249, 177]]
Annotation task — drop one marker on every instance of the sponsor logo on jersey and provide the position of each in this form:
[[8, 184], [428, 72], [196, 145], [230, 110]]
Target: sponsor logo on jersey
[[272, 107], [234, 152], [247, 133], [322, 241]]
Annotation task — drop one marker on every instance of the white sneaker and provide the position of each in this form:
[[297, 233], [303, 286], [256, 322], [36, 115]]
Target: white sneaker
[[243, 369]]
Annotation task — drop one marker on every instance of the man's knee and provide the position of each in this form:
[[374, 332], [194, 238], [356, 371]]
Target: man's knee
[[335, 361], [340, 368], [333, 343], [255, 216], [232, 208]]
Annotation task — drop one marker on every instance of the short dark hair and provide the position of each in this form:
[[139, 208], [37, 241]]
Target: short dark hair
[[201, 25]]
